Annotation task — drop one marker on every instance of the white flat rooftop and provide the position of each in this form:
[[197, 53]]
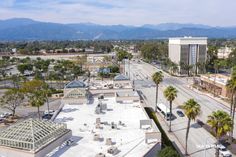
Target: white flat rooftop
[[217, 79], [188, 40], [81, 119]]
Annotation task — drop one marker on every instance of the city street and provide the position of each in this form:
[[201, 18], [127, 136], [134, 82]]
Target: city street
[[141, 74]]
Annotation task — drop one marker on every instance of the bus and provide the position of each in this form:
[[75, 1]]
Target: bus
[[164, 110]]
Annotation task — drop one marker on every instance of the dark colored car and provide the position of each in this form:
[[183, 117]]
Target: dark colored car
[[2, 120], [47, 116], [180, 113]]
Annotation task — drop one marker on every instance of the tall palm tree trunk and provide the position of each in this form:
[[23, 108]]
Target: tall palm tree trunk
[[170, 118], [233, 115], [47, 103], [156, 97], [38, 112], [231, 103], [217, 154], [186, 138]]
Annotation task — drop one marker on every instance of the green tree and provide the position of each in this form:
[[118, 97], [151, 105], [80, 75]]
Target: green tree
[[35, 91], [173, 68], [47, 92], [191, 109], [23, 67], [168, 152], [211, 56], [123, 55], [154, 50], [38, 75], [201, 67], [232, 58], [231, 85], [221, 123], [37, 100], [114, 68], [11, 99], [16, 81], [170, 94], [186, 67], [157, 78]]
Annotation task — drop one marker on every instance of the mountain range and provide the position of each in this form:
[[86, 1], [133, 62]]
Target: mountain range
[[18, 29]]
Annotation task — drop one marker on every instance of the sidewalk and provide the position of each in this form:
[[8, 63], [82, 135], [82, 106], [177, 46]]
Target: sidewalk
[[174, 139], [210, 96]]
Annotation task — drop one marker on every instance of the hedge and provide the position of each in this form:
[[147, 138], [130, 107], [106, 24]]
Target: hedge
[[166, 142]]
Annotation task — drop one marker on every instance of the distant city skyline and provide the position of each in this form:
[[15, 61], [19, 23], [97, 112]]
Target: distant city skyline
[[125, 12]]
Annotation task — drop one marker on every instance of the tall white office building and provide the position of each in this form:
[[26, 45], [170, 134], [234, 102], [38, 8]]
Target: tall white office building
[[188, 51]]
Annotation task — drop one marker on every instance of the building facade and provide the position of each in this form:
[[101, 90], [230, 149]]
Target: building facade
[[75, 92], [188, 52], [224, 52], [215, 84]]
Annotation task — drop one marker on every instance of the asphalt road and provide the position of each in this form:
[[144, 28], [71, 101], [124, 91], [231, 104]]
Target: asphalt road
[[199, 137]]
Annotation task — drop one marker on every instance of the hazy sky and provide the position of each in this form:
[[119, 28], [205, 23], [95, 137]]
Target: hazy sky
[[129, 12]]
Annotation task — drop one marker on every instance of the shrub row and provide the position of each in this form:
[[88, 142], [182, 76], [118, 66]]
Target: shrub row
[[166, 142]]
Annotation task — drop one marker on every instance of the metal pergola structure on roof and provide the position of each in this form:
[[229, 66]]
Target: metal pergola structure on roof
[[31, 134]]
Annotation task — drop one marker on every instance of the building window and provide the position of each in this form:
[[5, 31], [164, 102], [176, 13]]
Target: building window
[[193, 54]]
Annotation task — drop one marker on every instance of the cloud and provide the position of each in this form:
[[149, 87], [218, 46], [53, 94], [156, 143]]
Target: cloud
[[130, 12]]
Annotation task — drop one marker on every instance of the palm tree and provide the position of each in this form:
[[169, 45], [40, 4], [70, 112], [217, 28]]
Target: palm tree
[[191, 109], [157, 79], [231, 85], [221, 123], [173, 68], [170, 93], [201, 67], [37, 99], [186, 67], [46, 92]]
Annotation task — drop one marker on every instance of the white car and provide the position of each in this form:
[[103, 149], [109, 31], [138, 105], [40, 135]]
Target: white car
[[223, 151], [50, 112], [5, 115]]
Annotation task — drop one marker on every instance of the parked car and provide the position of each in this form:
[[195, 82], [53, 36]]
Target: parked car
[[50, 112], [5, 115], [223, 151], [47, 116], [2, 116], [2, 120], [180, 113], [69, 142]]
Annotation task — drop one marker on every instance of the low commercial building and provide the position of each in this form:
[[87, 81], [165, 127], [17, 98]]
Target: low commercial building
[[108, 128], [188, 51], [128, 96], [75, 92], [223, 52], [121, 81], [95, 59], [32, 138], [216, 84]]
